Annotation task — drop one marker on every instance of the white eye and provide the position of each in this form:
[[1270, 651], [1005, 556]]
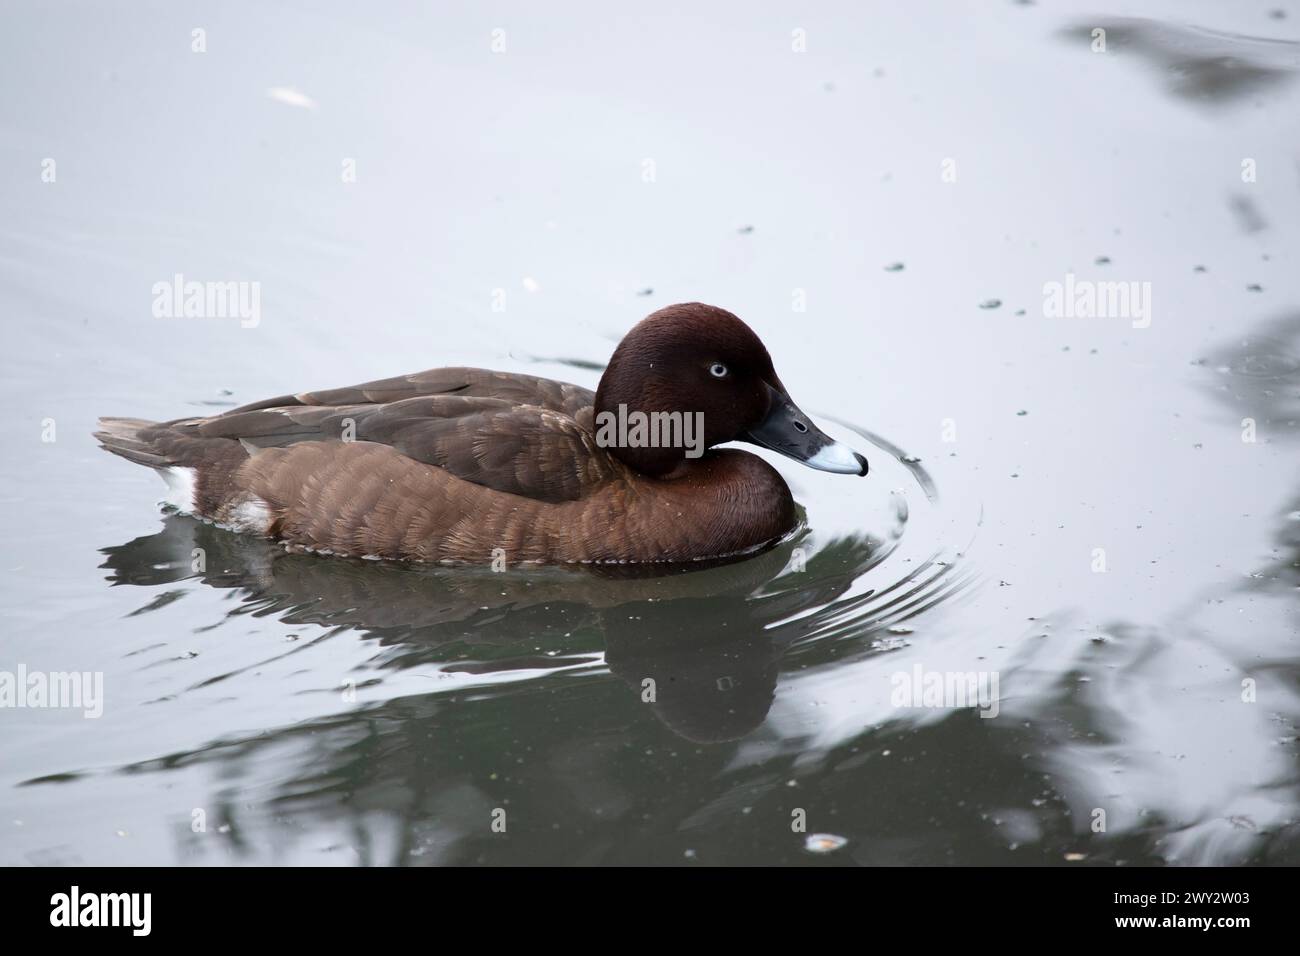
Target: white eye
[[718, 370]]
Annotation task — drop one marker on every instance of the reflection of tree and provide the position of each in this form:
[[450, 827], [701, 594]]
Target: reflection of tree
[[1203, 67], [1148, 722], [1258, 377]]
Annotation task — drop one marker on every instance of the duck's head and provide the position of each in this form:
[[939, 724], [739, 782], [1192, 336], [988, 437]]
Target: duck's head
[[701, 361]]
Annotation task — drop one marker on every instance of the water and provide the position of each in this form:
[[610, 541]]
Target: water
[[292, 709]]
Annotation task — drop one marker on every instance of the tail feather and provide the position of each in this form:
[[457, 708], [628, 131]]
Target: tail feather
[[201, 472], [123, 436]]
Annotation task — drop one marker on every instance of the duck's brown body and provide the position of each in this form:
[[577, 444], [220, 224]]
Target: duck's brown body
[[464, 464], [454, 465]]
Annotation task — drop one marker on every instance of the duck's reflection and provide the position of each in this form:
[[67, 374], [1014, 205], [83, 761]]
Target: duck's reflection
[[699, 647]]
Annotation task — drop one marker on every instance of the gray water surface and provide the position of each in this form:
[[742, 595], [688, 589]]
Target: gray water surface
[[1100, 512]]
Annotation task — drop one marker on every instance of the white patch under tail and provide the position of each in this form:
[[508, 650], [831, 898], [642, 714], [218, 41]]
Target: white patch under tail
[[249, 514], [181, 487]]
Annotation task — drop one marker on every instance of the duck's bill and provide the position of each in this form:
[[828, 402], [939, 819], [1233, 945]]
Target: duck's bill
[[790, 432]]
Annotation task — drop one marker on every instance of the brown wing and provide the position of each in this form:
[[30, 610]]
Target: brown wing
[[540, 452], [469, 382]]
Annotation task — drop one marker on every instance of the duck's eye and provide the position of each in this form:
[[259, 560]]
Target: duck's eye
[[718, 370]]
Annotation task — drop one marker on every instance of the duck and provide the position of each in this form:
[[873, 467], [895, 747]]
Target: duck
[[469, 465]]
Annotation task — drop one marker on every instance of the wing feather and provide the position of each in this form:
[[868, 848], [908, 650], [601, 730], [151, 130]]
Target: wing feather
[[518, 434]]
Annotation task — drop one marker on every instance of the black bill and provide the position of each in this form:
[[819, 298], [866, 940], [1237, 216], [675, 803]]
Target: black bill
[[792, 433]]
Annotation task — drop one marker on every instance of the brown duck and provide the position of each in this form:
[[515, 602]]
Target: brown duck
[[464, 464]]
